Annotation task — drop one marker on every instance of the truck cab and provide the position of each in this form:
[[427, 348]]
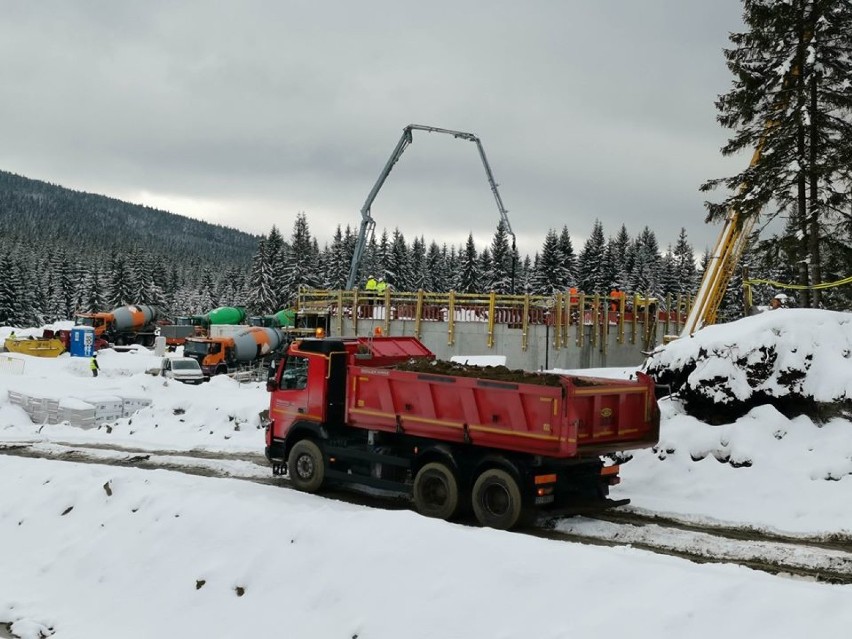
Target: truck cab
[[213, 354], [99, 321]]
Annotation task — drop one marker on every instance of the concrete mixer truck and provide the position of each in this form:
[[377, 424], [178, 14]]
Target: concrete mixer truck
[[132, 324], [222, 355], [282, 319], [220, 315], [199, 325]]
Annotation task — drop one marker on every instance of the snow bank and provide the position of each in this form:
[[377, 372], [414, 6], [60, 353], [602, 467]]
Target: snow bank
[[764, 470], [800, 360]]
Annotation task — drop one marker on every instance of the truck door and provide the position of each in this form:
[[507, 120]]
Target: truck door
[[290, 401]]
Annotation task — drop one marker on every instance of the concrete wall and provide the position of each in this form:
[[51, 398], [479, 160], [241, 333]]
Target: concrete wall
[[471, 338]]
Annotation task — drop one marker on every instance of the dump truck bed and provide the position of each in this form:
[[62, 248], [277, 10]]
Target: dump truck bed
[[578, 416]]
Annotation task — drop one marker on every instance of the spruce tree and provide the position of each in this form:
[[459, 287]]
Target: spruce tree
[[299, 268], [9, 292], [569, 259], [685, 272], [485, 266], [399, 273], [549, 275], [791, 100], [498, 278], [645, 276], [337, 267], [468, 274], [591, 275], [418, 264]]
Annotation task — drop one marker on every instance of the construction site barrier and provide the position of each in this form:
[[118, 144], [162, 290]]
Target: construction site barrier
[[632, 319]]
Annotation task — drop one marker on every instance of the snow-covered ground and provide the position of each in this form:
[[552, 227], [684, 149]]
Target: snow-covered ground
[[102, 551]]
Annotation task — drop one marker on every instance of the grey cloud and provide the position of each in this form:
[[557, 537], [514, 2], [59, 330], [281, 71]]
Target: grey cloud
[[586, 110]]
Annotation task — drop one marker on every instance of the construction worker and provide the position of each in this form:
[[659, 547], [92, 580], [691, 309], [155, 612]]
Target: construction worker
[[381, 286], [93, 364], [371, 284]]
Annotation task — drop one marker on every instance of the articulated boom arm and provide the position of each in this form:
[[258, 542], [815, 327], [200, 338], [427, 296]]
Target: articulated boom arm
[[368, 224]]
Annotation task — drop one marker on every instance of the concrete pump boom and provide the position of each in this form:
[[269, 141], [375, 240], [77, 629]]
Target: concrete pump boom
[[368, 224]]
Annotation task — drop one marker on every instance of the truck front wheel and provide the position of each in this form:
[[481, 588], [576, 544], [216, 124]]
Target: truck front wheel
[[436, 491], [497, 501], [306, 466]]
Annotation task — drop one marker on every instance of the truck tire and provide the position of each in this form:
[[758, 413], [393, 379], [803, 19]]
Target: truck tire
[[307, 466], [497, 501], [436, 491]]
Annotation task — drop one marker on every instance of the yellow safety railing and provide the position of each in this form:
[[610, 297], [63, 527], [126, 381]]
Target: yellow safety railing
[[561, 311]]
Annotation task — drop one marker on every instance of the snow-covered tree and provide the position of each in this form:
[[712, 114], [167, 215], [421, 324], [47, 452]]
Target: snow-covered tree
[[591, 272]]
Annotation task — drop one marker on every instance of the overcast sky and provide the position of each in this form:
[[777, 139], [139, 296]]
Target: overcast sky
[[244, 113]]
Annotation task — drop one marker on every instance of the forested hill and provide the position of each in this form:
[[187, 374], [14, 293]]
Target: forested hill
[[64, 251], [85, 221]]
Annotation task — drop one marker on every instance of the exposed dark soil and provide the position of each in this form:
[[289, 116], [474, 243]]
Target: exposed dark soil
[[494, 373]]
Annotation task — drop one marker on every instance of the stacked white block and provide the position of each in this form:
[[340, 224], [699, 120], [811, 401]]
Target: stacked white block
[[132, 404], [85, 411], [76, 412], [108, 408]]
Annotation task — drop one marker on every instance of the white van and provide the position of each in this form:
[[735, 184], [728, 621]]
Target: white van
[[183, 369]]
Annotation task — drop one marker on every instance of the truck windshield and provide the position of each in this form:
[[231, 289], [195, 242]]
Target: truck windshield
[[88, 321], [295, 375], [195, 348], [185, 365]]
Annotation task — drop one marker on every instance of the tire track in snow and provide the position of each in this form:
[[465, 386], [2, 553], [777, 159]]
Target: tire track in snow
[[813, 557]]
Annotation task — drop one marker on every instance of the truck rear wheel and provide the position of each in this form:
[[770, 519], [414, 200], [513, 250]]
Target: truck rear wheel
[[306, 466], [436, 491], [497, 501]]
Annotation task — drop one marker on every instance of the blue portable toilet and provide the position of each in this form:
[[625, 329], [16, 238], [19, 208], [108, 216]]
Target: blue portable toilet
[[82, 341]]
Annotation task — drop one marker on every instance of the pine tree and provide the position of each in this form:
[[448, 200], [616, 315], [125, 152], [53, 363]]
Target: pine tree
[[645, 276], [468, 274], [9, 292], [525, 277], [436, 272], [499, 276], [121, 292], [799, 120], [337, 267], [669, 284], [549, 275], [591, 274], [399, 273], [618, 261], [299, 270], [569, 259], [685, 272], [95, 298], [418, 264], [485, 266]]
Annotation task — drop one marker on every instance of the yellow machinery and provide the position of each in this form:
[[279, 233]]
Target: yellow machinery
[[732, 240]]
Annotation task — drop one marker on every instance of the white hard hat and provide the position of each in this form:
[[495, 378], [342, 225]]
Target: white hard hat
[[781, 297]]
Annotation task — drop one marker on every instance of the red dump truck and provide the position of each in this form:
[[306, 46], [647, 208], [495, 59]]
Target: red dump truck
[[346, 411]]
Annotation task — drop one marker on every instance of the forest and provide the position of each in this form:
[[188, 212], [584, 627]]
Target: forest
[[63, 252]]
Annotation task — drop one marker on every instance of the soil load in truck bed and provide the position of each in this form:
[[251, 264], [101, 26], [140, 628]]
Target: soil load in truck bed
[[537, 413]]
